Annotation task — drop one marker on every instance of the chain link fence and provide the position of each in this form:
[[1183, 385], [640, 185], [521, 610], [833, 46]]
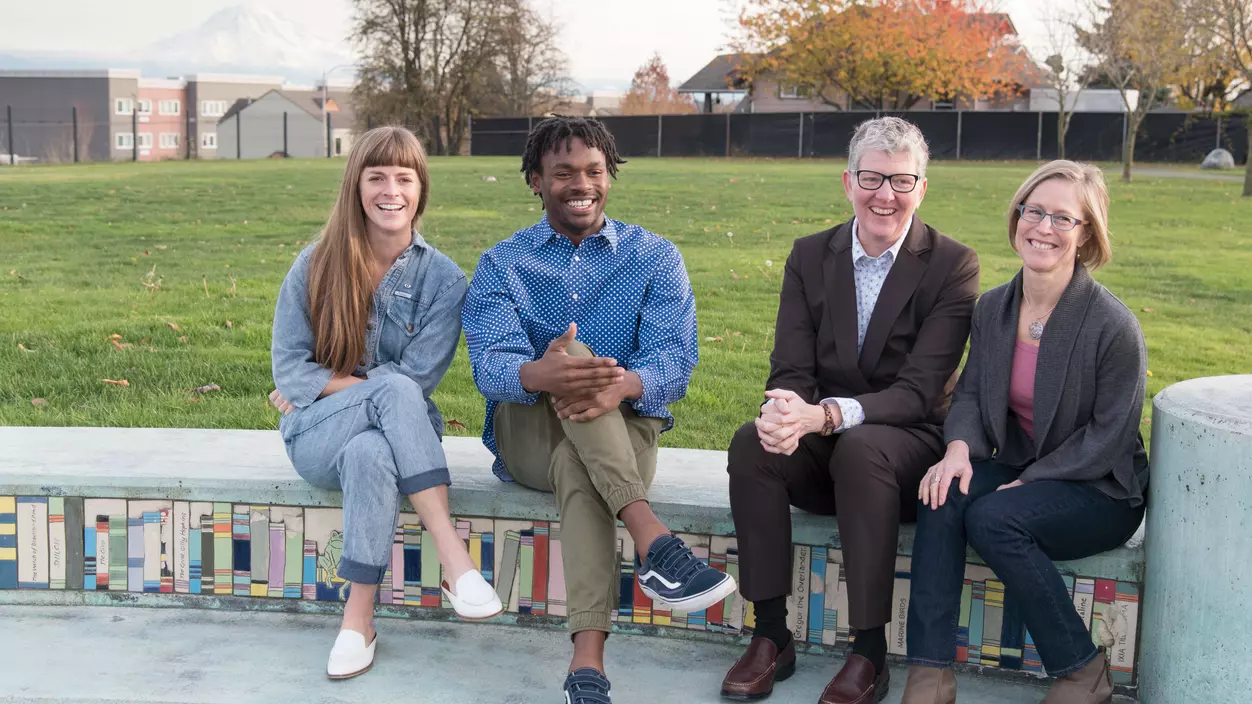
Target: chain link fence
[[989, 135]]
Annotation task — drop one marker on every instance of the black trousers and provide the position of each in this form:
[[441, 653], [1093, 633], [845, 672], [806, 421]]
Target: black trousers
[[867, 477]]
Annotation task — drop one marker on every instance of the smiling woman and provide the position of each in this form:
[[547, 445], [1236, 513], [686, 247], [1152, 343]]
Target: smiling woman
[[366, 325]]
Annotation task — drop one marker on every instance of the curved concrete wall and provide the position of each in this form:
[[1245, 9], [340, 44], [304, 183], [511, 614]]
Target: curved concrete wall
[[1197, 622]]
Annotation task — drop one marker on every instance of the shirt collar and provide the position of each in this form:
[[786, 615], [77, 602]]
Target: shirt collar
[[543, 232], [858, 252], [418, 242]]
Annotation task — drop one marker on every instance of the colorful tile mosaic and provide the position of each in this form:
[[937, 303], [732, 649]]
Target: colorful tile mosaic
[[290, 552]]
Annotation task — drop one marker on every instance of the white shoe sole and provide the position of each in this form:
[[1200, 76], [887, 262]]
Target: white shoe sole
[[699, 602]]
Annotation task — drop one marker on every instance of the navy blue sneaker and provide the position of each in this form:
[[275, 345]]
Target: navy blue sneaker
[[587, 685], [673, 576]]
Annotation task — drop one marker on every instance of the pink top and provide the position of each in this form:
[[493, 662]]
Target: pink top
[[1022, 386]]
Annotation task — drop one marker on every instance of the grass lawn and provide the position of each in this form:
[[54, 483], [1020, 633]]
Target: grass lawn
[[183, 261]]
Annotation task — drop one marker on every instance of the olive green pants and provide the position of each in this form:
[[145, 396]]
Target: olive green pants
[[594, 468]]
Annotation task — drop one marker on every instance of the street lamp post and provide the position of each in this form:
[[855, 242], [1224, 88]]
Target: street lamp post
[[325, 129]]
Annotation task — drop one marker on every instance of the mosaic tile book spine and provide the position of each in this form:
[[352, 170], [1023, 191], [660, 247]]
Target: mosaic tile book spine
[[289, 552]]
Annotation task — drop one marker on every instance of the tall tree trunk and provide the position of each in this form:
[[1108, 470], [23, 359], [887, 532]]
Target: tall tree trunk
[[1128, 147], [1247, 174], [1062, 127]]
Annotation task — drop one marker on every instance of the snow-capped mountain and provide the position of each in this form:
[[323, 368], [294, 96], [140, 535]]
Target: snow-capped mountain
[[255, 39]]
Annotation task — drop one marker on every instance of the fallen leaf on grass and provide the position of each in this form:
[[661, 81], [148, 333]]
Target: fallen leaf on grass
[[1149, 372], [24, 348], [206, 389], [192, 399], [118, 382], [228, 325], [1149, 310], [39, 402], [120, 345], [182, 339], [454, 424], [173, 326], [161, 246], [714, 339]]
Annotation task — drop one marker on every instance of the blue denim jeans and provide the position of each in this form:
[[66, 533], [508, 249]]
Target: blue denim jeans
[[374, 441], [1018, 532]]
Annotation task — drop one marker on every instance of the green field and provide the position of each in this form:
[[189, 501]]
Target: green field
[[183, 260]]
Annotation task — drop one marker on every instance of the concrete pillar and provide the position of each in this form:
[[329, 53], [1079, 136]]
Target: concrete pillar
[[1197, 620]]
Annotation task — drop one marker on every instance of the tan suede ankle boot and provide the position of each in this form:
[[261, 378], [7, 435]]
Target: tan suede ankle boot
[[930, 685], [1090, 685]]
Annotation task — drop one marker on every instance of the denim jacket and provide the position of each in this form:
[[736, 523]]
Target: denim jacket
[[414, 327]]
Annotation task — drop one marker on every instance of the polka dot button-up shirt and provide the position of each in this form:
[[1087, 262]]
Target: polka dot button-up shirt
[[870, 274], [625, 287]]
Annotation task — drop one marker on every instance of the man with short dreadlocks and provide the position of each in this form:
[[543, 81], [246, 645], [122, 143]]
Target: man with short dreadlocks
[[581, 332]]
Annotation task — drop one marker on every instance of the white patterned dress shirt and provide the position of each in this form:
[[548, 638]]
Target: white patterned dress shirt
[[870, 274]]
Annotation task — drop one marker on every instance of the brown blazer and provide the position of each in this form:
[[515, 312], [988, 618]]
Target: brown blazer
[[907, 367]]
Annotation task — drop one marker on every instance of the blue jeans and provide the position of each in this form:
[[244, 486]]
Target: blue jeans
[[374, 441], [1018, 532]]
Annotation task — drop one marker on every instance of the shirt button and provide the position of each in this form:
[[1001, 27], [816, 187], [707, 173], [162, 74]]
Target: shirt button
[[576, 258]]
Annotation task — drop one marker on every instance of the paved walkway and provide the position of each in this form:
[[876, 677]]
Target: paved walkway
[[1230, 176], [126, 654]]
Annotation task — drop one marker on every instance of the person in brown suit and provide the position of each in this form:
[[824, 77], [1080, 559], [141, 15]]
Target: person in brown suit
[[872, 323]]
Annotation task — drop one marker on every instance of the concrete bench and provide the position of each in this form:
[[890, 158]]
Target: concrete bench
[[171, 498]]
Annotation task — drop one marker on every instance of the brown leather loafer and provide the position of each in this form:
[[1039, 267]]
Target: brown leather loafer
[[856, 683], [753, 676]]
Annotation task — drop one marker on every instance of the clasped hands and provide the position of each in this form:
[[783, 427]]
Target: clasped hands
[[786, 418], [582, 388]]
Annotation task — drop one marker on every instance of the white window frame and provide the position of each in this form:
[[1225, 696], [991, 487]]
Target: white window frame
[[169, 140], [793, 91], [123, 106], [208, 140], [213, 108], [124, 140], [145, 140], [170, 107], [144, 105]]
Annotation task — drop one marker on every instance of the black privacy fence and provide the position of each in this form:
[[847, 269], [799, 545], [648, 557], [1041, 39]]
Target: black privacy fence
[[988, 135]]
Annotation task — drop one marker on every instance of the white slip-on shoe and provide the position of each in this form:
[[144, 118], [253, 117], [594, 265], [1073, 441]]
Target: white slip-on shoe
[[350, 656], [474, 600]]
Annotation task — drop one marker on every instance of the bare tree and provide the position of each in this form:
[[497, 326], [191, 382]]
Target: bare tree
[[532, 69], [1068, 75], [1140, 47], [426, 63], [1228, 23]]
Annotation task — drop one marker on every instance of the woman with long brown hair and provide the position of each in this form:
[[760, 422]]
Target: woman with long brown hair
[[366, 325]]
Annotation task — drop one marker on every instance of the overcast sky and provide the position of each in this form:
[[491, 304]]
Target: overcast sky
[[605, 40]]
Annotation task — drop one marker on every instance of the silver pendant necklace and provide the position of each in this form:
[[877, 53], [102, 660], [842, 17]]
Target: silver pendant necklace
[[1035, 329]]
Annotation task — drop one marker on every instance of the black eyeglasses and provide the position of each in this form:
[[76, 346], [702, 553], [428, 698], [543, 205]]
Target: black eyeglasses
[[1064, 223], [872, 181]]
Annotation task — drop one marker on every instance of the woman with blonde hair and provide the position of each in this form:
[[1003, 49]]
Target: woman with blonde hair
[[367, 322], [1044, 457]]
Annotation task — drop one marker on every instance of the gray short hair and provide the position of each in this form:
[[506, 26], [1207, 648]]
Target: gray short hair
[[891, 135]]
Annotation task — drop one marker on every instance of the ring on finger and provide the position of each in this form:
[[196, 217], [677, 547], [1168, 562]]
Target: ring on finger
[[934, 478]]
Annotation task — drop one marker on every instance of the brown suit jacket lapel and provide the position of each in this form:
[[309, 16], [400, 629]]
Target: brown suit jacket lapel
[[906, 275], [841, 304]]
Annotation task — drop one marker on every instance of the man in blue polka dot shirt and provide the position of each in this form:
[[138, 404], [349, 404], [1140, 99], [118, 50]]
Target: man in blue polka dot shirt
[[581, 332]]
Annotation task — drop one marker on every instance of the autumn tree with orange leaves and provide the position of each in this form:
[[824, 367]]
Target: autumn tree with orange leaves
[[651, 93], [879, 54]]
